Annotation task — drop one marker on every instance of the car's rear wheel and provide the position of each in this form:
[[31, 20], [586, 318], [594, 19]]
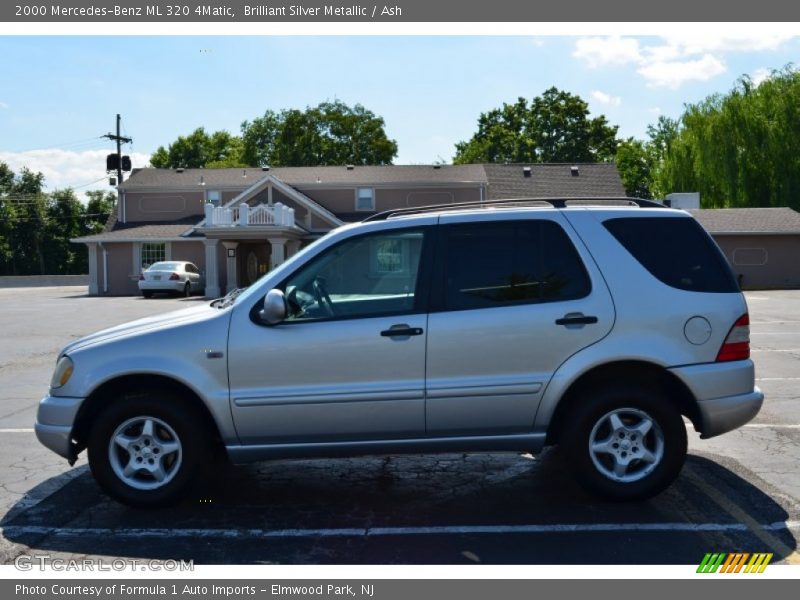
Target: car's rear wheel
[[147, 294], [625, 442], [146, 449], [187, 289]]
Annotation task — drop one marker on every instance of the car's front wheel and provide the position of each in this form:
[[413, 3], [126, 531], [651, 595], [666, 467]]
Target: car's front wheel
[[145, 450], [626, 442]]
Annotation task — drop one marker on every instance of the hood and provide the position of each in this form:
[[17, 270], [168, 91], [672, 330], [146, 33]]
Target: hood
[[180, 317]]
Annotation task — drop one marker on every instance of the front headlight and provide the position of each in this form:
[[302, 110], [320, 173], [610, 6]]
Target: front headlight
[[63, 372]]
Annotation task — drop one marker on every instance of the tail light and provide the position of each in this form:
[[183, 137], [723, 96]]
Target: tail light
[[174, 277], [141, 276], [737, 345]]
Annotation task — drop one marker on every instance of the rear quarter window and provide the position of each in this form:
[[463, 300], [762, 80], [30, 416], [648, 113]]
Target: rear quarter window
[[676, 251]]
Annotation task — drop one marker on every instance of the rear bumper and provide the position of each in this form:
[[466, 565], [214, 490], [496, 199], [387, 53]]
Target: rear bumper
[[54, 422], [721, 415], [726, 394], [162, 286]]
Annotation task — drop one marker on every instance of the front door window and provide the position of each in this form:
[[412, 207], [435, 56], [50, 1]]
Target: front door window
[[365, 276]]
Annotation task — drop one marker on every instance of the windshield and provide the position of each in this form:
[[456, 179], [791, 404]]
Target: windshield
[[165, 266]]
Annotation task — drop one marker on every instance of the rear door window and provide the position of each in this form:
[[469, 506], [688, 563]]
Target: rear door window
[[676, 251], [511, 262]]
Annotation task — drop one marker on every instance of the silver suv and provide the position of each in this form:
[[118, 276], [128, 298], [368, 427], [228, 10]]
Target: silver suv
[[500, 327]]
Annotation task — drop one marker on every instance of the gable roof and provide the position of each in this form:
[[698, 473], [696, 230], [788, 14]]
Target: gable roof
[[782, 220], [553, 180]]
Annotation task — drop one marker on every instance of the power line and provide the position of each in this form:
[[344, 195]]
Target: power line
[[50, 218], [64, 144]]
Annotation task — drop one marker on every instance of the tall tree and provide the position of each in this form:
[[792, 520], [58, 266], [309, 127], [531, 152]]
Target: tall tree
[[553, 127], [200, 149], [741, 148], [635, 164], [331, 133]]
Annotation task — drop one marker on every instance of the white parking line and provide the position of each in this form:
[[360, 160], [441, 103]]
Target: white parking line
[[777, 378], [18, 430], [14, 531]]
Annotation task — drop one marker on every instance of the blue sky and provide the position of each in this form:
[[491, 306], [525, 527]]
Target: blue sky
[[61, 93]]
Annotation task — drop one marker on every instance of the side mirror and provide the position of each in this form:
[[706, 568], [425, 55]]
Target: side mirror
[[274, 310]]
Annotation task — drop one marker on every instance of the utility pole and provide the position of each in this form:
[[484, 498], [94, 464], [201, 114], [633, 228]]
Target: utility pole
[[119, 139]]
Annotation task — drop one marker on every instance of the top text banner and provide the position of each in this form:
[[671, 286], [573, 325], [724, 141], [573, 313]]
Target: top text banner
[[133, 11]]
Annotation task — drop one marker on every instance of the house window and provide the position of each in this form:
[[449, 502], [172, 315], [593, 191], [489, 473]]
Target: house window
[[213, 197], [152, 253], [390, 256], [365, 199]]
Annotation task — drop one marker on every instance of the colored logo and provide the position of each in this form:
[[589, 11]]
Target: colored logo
[[737, 562]]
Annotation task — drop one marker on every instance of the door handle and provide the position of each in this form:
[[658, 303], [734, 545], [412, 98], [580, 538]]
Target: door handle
[[401, 331], [576, 319]]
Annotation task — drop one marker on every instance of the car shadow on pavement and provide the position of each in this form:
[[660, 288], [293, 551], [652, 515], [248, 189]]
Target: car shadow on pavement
[[441, 509]]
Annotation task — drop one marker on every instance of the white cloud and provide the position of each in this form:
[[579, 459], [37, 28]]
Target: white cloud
[[3, 105], [65, 168], [759, 76], [673, 74], [602, 51], [537, 42], [606, 99], [674, 59], [655, 110]]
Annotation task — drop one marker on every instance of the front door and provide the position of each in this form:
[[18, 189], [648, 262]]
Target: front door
[[253, 262], [515, 299], [348, 363]]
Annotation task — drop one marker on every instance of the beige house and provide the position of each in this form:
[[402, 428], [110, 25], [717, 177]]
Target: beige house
[[236, 224], [762, 245]]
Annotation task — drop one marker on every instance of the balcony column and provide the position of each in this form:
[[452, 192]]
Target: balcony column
[[212, 277], [232, 275], [292, 247], [278, 254]]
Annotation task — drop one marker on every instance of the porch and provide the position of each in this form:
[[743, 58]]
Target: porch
[[244, 242]]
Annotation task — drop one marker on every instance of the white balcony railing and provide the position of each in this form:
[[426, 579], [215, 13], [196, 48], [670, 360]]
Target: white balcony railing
[[244, 215]]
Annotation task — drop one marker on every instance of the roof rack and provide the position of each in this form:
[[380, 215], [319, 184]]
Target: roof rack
[[553, 202]]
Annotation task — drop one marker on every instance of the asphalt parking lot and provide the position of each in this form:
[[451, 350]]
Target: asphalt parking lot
[[738, 492]]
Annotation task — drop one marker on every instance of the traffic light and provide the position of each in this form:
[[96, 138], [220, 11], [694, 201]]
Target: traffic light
[[126, 163], [112, 162]]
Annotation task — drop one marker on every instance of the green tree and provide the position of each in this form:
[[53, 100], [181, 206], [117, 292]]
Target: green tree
[[553, 127], [199, 149], [98, 208], [634, 161], [741, 148], [331, 133]]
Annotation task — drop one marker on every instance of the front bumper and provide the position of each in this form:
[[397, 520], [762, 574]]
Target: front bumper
[[54, 421]]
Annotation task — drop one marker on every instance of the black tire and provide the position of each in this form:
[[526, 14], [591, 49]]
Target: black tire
[[629, 402], [186, 423], [147, 294], [187, 290]]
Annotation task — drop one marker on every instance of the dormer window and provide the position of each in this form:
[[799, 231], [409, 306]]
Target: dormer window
[[214, 197], [365, 199]]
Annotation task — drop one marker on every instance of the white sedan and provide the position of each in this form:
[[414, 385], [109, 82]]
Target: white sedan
[[176, 277]]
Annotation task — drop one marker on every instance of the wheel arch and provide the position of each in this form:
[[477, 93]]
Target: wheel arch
[[115, 389], [628, 370]]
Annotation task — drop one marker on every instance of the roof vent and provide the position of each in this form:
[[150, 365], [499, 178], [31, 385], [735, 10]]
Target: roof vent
[[526, 171], [574, 171], [244, 172], [437, 166], [265, 168], [350, 167], [202, 180], [179, 170]]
